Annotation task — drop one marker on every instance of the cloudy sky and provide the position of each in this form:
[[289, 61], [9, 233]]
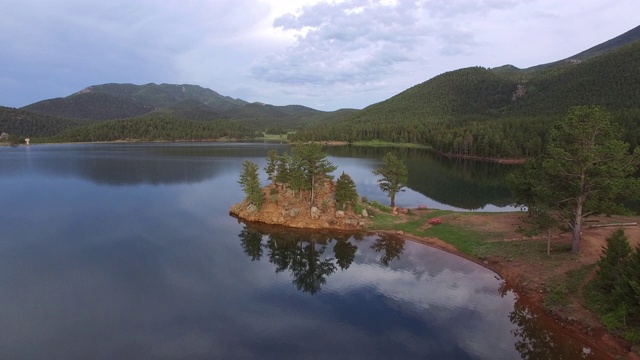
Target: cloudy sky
[[326, 54]]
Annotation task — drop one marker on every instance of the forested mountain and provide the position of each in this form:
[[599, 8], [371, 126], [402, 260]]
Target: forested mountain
[[479, 112], [504, 112], [90, 106], [119, 101], [153, 128], [22, 123], [167, 94], [181, 102]]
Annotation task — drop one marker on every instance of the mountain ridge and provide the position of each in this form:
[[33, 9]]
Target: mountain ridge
[[470, 111]]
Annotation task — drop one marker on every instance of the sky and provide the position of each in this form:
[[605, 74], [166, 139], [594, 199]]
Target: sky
[[325, 54]]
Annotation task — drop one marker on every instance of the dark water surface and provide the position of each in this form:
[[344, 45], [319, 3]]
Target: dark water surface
[[126, 251]]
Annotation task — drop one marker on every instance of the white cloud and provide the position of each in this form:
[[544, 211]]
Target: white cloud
[[324, 54]]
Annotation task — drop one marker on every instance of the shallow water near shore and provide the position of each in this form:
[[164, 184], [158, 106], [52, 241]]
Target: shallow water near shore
[[127, 251]]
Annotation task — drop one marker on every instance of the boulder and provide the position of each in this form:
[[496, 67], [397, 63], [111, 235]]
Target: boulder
[[315, 213], [365, 213], [339, 213], [293, 212], [252, 208]]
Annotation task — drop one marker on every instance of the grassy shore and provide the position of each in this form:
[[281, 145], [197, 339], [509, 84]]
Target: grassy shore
[[556, 282], [378, 143]]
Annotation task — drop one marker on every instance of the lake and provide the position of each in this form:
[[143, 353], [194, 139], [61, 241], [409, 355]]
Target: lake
[[127, 251]]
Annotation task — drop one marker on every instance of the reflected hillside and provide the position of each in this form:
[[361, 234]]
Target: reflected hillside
[[461, 183], [155, 164]]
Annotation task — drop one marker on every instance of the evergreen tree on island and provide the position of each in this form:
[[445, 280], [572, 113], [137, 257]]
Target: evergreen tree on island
[[300, 180], [345, 192], [314, 166], [250, 183]]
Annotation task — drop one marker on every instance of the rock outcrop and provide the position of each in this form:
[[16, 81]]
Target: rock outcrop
[[284, 207]]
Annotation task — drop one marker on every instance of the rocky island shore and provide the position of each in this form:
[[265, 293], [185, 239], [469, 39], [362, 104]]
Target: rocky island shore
[[286, 208]]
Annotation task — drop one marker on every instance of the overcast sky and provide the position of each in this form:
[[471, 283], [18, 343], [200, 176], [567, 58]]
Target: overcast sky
[[323, 54]]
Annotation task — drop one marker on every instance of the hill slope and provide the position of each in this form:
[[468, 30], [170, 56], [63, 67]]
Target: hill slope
[[22, 123], [183, 102], [478, 112], [167, 94]]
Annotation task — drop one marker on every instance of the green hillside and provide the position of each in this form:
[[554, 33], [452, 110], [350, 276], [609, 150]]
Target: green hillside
[[164, 95], [499, 112], [475, 112], [184, 102], [22, 123], [152, 128], [90, 106]]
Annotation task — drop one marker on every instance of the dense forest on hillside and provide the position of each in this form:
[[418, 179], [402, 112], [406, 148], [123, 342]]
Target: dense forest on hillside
[[480, 112], [153, 128], [503, 112], [27, 124], [92, 106]]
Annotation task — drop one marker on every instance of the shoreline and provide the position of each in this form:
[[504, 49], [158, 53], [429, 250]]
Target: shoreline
[[503, 161], [599, 340], [530, 297]]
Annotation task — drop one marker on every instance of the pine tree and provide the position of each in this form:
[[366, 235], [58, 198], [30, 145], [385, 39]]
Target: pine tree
[[394, 176], [250, 183], [272, 163], [612, 261], [283, 175], [345, 190], [314, 165], [585, 170], [627, 291]]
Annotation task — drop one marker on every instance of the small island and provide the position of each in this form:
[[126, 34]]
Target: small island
[[301, 193]]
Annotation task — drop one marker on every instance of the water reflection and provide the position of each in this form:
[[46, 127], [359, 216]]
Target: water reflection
[[433, 181], [133, 271], [132, 164], [539, 338], [390, 246], [460, 183], [304, 255]]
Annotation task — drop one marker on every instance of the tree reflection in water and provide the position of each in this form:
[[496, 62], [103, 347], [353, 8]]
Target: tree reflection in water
[[302, 253], [390, 246], [535, 339]]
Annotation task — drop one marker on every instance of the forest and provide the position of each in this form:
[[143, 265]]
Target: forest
[[503, 112], [480, 112]]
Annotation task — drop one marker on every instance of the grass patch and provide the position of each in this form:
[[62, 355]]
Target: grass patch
[[379, 143], [577, 276], [557, 297], [465, 239], [274, 137], [383, 208], [562, 288]]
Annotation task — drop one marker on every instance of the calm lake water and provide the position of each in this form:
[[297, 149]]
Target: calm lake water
[[127, 251]]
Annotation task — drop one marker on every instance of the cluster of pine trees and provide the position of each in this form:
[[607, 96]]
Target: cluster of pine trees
[[616, 287], [306, 169]]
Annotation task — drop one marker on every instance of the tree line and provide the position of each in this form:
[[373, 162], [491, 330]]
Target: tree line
[[153, 128], [586, 170]]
